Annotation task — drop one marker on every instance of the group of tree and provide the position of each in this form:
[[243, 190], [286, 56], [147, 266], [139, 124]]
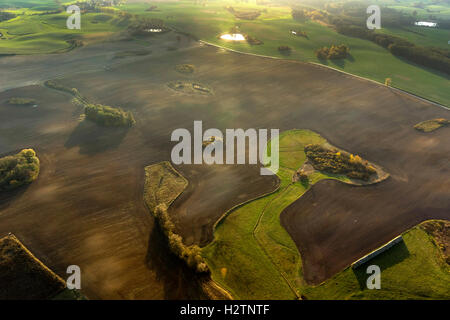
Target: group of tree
[[285, 50], [334, 52], [432, 125], [338, 162], [108, 116], [19, 169], [252, 40], [191, 255]]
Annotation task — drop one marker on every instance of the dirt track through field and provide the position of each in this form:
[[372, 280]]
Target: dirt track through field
[[86, 208]]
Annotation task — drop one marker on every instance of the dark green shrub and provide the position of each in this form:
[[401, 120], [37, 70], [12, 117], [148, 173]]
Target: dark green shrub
[[18, 170], [109, 116], [334, 52]]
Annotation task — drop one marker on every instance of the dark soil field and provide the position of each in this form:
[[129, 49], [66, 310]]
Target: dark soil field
[[87, 208]]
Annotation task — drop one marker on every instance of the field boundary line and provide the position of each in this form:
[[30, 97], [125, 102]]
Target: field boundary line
[[262, 247], [382, 85], [331, 68], [237, 206]]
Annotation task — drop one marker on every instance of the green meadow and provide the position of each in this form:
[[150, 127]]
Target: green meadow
[[250, 241], [30, 5], [422, 36], [37, 33]]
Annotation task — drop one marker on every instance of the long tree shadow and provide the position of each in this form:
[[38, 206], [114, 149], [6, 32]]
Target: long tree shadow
[[385, 260], [338, 62], [179, 281], [92, 138], [323, 61], [6, 197]]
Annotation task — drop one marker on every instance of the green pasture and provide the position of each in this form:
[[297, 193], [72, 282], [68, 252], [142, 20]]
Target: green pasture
[[253, 256]]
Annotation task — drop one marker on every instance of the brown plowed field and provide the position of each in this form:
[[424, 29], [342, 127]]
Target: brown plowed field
[[86, 208]]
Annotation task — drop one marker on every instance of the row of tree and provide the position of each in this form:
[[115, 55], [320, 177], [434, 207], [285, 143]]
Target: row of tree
[[191, 255]]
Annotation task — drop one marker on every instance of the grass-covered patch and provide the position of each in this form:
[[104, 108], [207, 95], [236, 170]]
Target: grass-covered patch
[[339, 162], [432, 125], [109, 116], [21, 101], [22, 275], [189, 87], [163, 184], [19, 169], [185, 68]]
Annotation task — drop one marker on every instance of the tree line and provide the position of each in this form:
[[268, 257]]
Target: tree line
[[430, 57], [191, 255], [355, 26]]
